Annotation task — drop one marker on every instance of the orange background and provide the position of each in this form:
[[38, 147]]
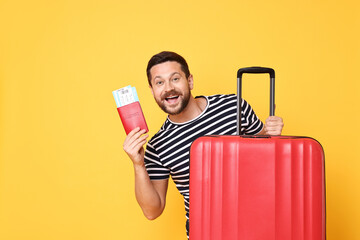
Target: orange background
[[63, 174]]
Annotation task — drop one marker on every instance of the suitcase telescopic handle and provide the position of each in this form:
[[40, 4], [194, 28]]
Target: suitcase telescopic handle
[[254, 70]]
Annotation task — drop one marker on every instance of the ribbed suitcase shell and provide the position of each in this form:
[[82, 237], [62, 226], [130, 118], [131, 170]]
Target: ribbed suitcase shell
[[245, 188]]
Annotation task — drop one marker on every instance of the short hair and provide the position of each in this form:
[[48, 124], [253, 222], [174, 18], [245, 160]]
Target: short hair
[[167, 56]]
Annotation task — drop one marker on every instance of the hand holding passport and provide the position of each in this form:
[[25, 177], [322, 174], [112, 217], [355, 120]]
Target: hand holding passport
[[129, 109]]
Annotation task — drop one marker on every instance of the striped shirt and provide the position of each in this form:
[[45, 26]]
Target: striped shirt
[[167, 152]]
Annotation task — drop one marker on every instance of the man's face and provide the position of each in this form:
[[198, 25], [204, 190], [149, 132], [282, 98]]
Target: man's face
[[170, 87]]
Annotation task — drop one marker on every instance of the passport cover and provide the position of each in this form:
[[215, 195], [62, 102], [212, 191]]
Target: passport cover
[[131, 116]]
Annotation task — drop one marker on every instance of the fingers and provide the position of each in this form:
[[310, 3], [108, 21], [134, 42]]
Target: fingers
[[135, 138], [133, 144], [273, 132], [134, 135], [274, 120], [139, 142], [274, 125]]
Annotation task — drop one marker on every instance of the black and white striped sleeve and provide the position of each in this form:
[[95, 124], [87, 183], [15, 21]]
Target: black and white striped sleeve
[[250, 122], [153, 164]]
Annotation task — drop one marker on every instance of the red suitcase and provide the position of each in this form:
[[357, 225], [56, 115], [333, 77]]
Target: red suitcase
[[257, 187]]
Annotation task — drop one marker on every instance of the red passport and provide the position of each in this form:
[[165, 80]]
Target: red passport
[[131, 116]]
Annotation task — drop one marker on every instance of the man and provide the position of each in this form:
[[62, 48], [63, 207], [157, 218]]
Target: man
[[167, 153]]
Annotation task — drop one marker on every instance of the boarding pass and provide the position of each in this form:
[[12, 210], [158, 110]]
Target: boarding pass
[[125, 96]]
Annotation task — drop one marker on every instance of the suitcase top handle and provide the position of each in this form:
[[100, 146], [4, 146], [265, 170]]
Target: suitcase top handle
[[254, 70]]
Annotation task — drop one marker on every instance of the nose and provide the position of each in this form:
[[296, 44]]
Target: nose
[[168, 86]]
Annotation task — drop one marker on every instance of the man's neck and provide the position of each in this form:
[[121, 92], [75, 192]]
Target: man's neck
[[194, 108]]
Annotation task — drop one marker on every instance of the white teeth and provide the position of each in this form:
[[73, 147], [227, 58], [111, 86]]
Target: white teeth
[[172, 97]]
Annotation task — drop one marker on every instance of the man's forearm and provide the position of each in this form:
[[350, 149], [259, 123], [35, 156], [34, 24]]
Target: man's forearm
[[150, 196], [146, 194]]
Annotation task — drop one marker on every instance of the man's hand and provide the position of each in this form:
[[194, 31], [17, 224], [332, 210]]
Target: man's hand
[[273, 125], [134, 145]]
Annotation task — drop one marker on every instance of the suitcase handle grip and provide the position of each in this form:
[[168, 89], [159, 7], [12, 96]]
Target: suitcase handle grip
[[254, 70]]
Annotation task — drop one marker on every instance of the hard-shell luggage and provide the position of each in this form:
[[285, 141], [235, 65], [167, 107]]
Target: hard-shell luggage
[[257, 187]]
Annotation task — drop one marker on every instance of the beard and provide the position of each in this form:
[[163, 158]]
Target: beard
[[184, 100]]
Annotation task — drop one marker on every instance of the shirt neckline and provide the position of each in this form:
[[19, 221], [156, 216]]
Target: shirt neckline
[[194, 119]]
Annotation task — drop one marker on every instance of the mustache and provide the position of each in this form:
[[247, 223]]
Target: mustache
[[171, 93]]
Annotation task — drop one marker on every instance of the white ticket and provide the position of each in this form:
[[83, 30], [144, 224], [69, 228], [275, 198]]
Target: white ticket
[[125, 96]]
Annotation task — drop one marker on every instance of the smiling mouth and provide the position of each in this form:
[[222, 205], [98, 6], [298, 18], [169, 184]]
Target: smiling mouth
[[172, 99]]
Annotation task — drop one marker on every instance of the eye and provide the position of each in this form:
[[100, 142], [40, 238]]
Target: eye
[[175, 79], [159, 83]]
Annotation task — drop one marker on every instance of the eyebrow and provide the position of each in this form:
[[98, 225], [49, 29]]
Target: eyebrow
[[170, 75]]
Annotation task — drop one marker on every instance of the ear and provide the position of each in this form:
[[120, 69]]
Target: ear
[[191, 82]]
